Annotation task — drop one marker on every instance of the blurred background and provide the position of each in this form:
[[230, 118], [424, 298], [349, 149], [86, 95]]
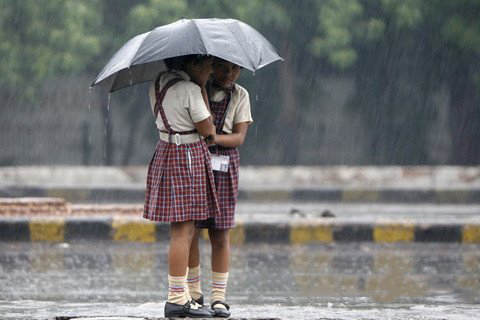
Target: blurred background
[[364, 82]]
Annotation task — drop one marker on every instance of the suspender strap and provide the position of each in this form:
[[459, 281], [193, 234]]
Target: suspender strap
[[220, 127], [159, 107], [228, 97]]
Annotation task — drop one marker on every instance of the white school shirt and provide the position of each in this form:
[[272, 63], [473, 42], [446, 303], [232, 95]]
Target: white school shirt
[[238, 109], [183, 103]]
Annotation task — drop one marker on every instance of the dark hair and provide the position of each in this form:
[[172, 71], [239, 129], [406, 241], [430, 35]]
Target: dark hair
[[179, 63], [219, 60]]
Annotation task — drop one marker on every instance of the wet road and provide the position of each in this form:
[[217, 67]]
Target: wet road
[[428, 212], [335, 281]]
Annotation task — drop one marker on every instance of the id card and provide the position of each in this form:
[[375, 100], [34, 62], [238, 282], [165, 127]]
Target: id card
[[220, 163]]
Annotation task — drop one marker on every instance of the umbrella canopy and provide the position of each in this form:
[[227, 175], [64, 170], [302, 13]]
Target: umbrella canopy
[[141, 58]]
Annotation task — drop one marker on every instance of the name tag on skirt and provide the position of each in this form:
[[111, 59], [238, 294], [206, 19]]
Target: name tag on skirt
[[220, 163]]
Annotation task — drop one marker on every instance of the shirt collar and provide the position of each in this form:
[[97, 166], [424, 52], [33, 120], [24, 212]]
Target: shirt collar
[[181, 73]]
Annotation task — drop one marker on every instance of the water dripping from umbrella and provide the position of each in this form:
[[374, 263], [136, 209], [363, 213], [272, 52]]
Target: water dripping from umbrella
[[89, 97]]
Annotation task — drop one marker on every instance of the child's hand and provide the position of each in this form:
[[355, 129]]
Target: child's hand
[[210, 140]]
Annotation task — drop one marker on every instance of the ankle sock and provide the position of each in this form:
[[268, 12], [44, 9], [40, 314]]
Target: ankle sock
[[176, 290], [194, 282], [219, 287], [193, 304], [187, 291]]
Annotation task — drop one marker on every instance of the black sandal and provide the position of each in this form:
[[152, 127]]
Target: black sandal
[[220, 312], [173, 310], [201, 306], [199, 300]]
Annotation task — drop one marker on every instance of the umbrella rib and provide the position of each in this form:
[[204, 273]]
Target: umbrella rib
[[136, 53], [201, 35], [246, 55], [130, 62]]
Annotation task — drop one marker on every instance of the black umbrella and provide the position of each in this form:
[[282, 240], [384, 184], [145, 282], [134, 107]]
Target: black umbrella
[[141, 58]]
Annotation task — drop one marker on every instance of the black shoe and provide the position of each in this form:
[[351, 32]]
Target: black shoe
[[200, 305], [173, 310], [220, 312], [199, 300]]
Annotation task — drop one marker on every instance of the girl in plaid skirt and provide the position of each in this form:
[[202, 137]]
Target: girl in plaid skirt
[[230, 105], [180, 183]]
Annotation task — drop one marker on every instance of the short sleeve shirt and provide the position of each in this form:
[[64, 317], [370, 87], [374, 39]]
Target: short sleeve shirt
[[238, 109], [183, 103]]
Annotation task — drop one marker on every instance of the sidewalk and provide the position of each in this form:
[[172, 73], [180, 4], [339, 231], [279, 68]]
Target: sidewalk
[[276, 204], [56, 220], [440, 185]]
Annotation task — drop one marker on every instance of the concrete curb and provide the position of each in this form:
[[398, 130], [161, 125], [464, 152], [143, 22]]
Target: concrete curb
[[383, 195], [134, 229]]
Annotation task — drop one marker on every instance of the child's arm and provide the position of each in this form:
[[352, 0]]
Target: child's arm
[[206, 128], [234, 139], [205, 98]]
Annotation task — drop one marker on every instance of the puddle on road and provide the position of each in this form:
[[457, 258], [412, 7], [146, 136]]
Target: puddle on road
[[367, 278]]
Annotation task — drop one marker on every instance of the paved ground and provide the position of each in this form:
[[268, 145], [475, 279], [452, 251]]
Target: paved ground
[[441, 184], [252, 177], [335, 281], [402, 243]]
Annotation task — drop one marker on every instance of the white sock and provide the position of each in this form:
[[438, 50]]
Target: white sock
[[193, 305], [219, 287], [176, 290], [194, 282]]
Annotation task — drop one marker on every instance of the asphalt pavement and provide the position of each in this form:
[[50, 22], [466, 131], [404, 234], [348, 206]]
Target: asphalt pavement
[[310, 243], [332, 281]]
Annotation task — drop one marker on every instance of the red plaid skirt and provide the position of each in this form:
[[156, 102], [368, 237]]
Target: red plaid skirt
[[180, 184], [226, 184]]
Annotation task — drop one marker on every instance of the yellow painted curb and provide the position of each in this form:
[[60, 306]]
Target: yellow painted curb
[[471, 234], [359, 195], [135, 231], [269, 195], [204, 234], [47, 230], [394, 233], [237, 235], [68, 195], [304, 234]]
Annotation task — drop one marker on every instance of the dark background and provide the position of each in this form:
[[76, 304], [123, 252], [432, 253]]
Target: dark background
[[364, 82]]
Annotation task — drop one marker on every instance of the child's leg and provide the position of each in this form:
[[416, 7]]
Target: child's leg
[[194, 257], [193, 276], [220, 264], [181, 236]]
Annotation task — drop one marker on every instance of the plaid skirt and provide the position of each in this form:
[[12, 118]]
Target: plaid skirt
[[180, 184], [226, 184]]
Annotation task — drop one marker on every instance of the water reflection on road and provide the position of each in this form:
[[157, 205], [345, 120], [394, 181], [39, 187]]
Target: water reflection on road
[[351, 276]]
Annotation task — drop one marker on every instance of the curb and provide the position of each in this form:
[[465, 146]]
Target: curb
[[349, 195], [125, 229]]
